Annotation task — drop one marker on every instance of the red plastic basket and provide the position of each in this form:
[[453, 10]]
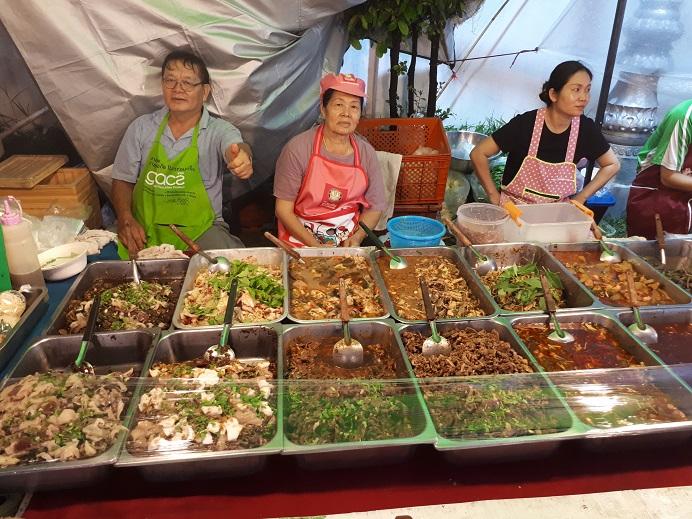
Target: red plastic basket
[[422, 178]]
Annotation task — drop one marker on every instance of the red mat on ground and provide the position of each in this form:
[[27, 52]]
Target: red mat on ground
[[282, 489]]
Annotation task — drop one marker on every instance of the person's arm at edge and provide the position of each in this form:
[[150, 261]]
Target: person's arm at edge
[[130, 231], [285, 213], [608, 165], [676, 179], [481, 165], [370, 217]]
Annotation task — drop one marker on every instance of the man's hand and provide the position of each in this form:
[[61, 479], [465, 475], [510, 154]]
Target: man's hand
[[239, 162], [132, 235]]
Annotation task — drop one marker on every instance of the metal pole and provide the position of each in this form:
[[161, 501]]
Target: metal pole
[[608, 74]]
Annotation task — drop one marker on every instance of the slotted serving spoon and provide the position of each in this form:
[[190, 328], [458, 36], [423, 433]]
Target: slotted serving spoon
[[285, 246], [80, 365], [435, 344], [660, 238], [347, 352], [484, 264], [558, 334], [608, 255], [218, 264], [395, 262], [224, 349], [642, 331]]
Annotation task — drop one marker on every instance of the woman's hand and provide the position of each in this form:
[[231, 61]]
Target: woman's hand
[[354, 240], [132, 235], [239, 161]]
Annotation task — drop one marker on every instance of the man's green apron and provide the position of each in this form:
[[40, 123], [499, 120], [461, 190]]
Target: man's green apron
[[171, 191]]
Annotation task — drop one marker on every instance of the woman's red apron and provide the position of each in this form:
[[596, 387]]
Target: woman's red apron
[[649, 196], [331, 197], [539, 182]]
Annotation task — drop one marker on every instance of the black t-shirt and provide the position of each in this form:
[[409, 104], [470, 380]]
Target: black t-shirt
[[515, 136]]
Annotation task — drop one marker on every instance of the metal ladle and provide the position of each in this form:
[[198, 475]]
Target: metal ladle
[[435, 344], [558, 334], [484, 264], [224, 349], [347, 352], [80, 365], [395, 262], [642, 331], [608, 255], [218, 264]]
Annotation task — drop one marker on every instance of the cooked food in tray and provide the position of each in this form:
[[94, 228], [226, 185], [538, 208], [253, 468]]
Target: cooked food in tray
[[674, 344], [58, 416], [518, 288], [594, 347], [12, 306], [449, 292], [205, 406], [260, 294], [124, 306], [315, 288], [677, 269], [609, 280]]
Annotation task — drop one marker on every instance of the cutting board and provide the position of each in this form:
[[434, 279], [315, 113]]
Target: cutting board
[[25, 171]]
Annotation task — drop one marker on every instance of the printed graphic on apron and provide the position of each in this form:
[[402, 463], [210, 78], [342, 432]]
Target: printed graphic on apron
[[332, 196]]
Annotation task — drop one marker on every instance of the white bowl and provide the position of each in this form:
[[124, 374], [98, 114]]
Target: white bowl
[[63, 261]]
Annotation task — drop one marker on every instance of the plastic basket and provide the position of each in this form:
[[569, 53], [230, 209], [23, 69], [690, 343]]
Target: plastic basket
[[414, 231], [422, 178]]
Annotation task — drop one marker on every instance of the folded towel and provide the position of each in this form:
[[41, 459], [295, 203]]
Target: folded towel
[[96, 239], [390, 164]]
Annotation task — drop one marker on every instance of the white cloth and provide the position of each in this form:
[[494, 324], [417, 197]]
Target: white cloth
[[390, 164], [96, 239], [163, 251]]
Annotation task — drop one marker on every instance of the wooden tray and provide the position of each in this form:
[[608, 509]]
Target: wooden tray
[[25, 171]]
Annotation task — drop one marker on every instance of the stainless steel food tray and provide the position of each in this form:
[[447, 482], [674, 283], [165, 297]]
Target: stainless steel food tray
[[364, 453], [497, 449], [649, 249], [36, 306], [263, 255], [120, 272], [677, 294], [665, 380], [112, 352], [176, 346], [662, 316], [327, 252], [485, 300], [508, 254]]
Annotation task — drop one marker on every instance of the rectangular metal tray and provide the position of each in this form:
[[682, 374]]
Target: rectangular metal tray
[[491, 449], [36, 306], [113, 352], [628, 436], [263, 255], [120, 272], [677, 294], [365, 453], [180, 345], [508, 254], [327, 252], [662, 316], [486, 301], [649, 249]]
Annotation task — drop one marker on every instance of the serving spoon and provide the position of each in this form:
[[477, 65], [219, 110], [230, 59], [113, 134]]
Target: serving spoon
[[558, 334], [660, 238], [642, 331], [136, 278], [484, 264], [223, 349], [395, 262], [608, 255], [285, 246], [80, 365], [218, 264], [347, 352], [435, 344]]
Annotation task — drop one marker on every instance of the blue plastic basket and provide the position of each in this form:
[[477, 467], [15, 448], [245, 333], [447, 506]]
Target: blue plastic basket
[[414, 231]]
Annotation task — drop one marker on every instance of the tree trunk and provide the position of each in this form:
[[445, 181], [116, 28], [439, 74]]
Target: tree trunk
[[412, 71], [394, 75], [432, 87]]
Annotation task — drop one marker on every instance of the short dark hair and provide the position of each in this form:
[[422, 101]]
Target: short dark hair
[[328, 95], [189, 60], [559, 78]]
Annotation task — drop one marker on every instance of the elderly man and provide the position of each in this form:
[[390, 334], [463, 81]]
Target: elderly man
[[170, 164]]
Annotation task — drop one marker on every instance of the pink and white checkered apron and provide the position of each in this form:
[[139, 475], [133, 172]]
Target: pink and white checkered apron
[[539, 182]]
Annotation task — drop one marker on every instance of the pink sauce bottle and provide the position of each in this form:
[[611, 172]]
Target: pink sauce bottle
[[20, 247]]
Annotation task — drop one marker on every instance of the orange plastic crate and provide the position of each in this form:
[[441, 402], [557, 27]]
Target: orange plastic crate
[[422, 178]]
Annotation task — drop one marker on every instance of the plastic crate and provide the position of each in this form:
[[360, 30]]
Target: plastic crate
[[422, 178]]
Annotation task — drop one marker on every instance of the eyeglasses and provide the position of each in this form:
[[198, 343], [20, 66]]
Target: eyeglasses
[[185, 85]]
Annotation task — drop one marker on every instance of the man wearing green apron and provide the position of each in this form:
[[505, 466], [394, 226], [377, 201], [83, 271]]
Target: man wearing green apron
[[169, 167]]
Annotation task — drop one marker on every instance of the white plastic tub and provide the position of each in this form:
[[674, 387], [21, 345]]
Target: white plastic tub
[[548, 223]]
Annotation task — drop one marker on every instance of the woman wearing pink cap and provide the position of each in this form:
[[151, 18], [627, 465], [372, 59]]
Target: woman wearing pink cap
[[327, 178]]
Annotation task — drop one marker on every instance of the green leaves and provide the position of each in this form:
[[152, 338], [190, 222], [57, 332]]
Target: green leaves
[[523, 285]]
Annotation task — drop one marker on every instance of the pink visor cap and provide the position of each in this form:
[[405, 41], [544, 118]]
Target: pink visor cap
[[347, 83]]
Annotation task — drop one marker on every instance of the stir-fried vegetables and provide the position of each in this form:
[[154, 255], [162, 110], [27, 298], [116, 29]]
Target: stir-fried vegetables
[[518, 288]]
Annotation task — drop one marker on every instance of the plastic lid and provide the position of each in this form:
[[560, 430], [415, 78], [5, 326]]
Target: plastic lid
[[12, 211]]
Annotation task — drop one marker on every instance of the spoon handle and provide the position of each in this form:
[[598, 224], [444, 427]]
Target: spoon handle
[[228, 316], [549, 301], [634, 300], [345, 314], [376, 239], [429, 310], [596, 230], [285, 246], [192, 244], [660, 238], [460, 236], [89, 330]]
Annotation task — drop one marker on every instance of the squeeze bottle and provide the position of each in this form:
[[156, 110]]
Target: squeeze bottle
[[20, 247]]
